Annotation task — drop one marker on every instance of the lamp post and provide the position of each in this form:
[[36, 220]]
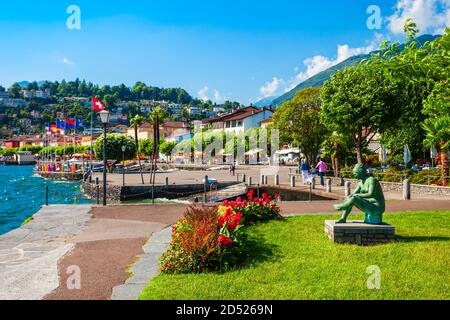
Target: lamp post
[[104, 117], [124, 148]]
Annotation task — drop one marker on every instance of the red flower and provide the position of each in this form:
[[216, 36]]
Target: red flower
[[251, 193], [224, 241]]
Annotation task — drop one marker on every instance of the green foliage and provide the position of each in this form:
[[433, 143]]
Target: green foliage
[[61, 151], [114, 143], [167, 147], [357, 102], [146, 146], [299, 123]]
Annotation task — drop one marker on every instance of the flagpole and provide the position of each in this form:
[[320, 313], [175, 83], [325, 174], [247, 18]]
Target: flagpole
[[92, 136]]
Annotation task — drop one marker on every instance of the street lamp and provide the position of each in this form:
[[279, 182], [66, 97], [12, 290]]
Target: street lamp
[[104, 117], [124, 148]]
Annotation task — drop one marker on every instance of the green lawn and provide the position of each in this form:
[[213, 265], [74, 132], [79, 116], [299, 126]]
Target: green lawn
[[295, 260]]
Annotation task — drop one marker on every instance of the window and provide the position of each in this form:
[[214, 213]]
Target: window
[[239, 123]]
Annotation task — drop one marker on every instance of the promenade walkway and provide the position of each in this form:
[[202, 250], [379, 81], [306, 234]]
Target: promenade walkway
[[37, 261]]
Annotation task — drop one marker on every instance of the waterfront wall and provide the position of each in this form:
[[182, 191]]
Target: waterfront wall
[[142, 192], [416, 189]]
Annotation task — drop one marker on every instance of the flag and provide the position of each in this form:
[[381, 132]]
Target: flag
[[54, 128], [70, 124], [61, 124], [97, 105], [406, 155], [79, 123]]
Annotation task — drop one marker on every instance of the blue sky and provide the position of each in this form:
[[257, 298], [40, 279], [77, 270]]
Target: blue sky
[[239, 50]]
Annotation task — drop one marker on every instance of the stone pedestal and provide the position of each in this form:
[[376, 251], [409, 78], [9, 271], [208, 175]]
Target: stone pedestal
[[358, 232]]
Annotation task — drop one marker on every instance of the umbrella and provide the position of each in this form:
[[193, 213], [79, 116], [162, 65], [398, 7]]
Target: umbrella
[[406, 155]]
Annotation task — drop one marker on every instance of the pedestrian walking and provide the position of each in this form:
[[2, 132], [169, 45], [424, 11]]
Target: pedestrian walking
[[322, 166], [304, 170]]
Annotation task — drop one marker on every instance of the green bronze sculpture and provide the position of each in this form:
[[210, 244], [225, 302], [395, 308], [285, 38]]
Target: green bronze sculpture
[[368, 197]]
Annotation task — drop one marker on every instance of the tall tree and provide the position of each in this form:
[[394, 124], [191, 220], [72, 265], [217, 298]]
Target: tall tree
[[438, 136], [299, 123], [136, 122], [358, 101]]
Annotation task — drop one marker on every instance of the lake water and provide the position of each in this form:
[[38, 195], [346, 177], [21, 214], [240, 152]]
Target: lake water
[[22, 193]]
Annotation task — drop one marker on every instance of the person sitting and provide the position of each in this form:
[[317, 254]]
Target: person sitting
[[367, 197]]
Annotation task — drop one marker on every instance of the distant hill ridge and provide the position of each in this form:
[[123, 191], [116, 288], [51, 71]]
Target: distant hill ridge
[[320, 78]]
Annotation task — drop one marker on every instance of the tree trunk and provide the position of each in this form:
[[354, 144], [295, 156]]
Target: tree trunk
[[359, 157], [336, 160], [138, 153], [444, 166]]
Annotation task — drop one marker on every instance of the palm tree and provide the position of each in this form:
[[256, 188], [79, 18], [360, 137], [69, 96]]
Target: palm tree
[[157, 117], [437, 134], [136, 122]]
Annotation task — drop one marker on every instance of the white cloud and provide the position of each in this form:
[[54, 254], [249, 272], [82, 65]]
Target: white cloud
[[218, 97], [431, 16], [202, 94], [317, 64], [67, 61], [271, 87]]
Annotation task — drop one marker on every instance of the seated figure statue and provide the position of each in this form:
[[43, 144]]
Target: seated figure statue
[[368, 197]]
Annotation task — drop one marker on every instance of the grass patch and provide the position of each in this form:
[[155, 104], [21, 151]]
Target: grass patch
[[295, 260]]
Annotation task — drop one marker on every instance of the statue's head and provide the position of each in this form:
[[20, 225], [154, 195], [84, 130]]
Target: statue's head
[[360, 172]]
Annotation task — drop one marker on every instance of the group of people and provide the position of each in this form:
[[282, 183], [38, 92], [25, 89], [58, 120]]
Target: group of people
[[308, 171]]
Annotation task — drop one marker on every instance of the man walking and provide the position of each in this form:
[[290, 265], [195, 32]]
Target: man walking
[[322, 166]]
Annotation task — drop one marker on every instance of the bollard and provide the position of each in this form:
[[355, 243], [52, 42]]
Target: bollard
[[153, 194], [261, 179], [167, 181], [313, 183], [276, 180], [310, 192], [293, 181], [205, 189], [347, 188], [406, 189], [97, 189], [328, 185], [46, 195]]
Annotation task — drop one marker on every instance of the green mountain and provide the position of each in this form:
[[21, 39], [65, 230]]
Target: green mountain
[[320, 78]]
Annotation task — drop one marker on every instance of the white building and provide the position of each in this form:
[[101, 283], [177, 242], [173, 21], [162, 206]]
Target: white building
[[239, 120]]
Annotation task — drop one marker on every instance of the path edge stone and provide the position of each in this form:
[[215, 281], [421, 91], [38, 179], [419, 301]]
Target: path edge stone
[[145, 268]]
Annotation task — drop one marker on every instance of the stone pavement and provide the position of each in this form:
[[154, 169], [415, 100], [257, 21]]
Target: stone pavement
[[29, 255], [146, 267], [113, 240]]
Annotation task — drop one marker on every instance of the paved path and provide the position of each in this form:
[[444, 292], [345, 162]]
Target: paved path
[[29, 255], [114, 239], [116, 248]]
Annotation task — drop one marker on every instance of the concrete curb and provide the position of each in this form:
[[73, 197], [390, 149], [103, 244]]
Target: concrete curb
[[145, 268], [29, 255]]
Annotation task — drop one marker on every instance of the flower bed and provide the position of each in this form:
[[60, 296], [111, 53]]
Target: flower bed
[[213, 239]]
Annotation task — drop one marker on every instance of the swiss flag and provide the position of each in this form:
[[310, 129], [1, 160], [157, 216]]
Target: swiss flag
[[97, 105]]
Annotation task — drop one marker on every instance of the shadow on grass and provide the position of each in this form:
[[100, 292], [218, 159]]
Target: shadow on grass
[[253, 251], [421, 239]]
